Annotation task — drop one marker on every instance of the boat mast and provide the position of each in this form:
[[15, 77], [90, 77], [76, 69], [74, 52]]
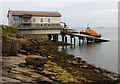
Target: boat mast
[[88, 26]]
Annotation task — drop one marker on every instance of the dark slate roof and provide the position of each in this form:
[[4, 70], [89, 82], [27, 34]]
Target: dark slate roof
[[35, 13]]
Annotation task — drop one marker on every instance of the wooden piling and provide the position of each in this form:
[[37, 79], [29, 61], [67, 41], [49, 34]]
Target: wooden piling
[[53, 37], [65, 39], [71, 39], [79, 39], [57, 37], [74, 40], [49, 36]]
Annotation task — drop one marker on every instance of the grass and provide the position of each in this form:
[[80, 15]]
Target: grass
[[7, 29]]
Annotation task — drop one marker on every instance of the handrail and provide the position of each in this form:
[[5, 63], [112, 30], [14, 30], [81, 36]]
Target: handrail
[[39, 28]]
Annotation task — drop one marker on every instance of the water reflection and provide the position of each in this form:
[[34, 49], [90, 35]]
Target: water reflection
[[88, 46]]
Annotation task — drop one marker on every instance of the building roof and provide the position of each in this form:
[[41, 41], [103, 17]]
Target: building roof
[[35, 13]]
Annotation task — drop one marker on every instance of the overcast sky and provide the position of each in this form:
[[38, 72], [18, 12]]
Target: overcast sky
[[76, 13]]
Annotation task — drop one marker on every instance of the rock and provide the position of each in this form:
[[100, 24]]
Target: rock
[[83, 61], [7, 79], [6, 47], [79, 60], [15, 46], [11, 46], [48, 73], [35, 60], [23, 52], [84, 66], [19, 36], [97, 71], [73, 62], [22, 78], [43, 79], [22, 65]]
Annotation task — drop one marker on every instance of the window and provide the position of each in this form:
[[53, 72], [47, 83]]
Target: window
[[48, 25], [41, 20], [41, 25], [48, 19], [15, 19], [33, 19], [25, 19]]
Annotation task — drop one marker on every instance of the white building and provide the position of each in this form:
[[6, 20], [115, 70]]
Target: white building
[[34, 19]]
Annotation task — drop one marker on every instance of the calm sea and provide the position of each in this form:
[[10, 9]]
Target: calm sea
[[104, 55]]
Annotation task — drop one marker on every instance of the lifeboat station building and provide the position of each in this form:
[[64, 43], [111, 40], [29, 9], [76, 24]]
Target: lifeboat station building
[[27, 21]]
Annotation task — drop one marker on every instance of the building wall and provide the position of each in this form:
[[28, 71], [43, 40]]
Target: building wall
[[35, 22], [40, 31], [10, 20], [16, 21], [45, 19]]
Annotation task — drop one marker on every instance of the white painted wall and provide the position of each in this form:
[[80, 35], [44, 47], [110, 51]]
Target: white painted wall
[[40, 31], [45, 19]]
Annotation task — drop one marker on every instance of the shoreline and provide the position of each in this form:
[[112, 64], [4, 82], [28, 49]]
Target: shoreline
[[59, 67], [74, 65], [78, 71], [77, 56]]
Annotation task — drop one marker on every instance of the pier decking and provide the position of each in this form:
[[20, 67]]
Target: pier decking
[[84, 38], [64, 32]]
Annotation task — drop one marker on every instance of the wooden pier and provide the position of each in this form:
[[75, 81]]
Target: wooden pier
[[76, 35]]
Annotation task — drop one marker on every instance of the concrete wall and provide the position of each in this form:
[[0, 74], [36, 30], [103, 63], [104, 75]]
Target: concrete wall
[[40, 31], [38, 37]]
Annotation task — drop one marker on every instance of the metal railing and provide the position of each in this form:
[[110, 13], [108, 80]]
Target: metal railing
[[31, 28]]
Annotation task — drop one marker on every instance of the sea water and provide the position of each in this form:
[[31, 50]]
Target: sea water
[[104, 54]]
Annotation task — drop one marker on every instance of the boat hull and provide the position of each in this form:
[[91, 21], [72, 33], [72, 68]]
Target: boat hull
[[99, 36]]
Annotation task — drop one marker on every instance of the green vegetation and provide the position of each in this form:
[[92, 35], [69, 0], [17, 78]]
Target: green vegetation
[[7, 29], [62, 75]]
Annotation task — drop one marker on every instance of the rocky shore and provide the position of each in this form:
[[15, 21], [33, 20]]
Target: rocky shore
[[55, 67]]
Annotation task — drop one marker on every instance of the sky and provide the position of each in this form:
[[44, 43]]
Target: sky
[[75, 13]]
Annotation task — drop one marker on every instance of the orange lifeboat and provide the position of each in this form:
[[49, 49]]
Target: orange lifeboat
[[91, 32]]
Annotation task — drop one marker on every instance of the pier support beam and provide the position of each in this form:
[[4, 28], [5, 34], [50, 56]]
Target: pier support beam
[[71, 39], [49, 36], [54, 37], [65, 39], [74, 40], [87, 40], [79, 39], [57, 37]]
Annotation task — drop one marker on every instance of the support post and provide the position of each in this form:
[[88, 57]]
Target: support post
[[74, 40], [53, 37], [79, 39], [87, 40], [57, 37], [49, 37], [71, 39], [65, 39]]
